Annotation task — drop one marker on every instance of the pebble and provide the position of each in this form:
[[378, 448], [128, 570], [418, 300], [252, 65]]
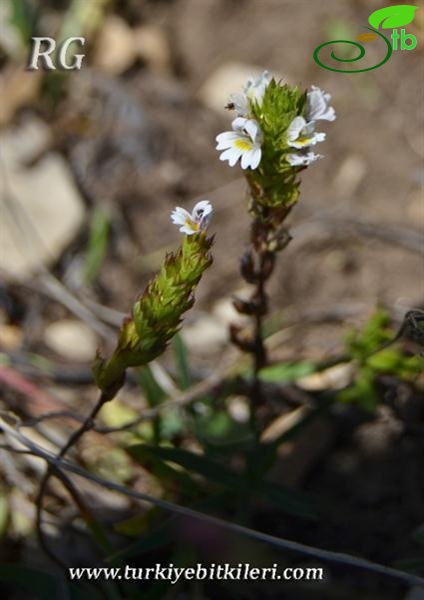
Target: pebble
[[71, 339]]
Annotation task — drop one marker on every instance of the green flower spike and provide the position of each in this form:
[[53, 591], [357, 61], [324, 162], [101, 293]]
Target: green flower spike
[[156, 315]]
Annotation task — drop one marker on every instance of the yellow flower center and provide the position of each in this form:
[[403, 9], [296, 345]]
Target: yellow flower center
[[194, 226], [243, 145], [303, 140]]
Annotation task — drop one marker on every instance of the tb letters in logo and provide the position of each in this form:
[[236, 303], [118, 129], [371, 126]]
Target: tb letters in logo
[[389, 17]]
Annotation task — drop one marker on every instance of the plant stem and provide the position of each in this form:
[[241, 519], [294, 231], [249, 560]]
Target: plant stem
[[87, 424], [268, 237], [259, 347]]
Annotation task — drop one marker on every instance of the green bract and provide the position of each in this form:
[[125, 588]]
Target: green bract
[[274, 182], [156, 315]]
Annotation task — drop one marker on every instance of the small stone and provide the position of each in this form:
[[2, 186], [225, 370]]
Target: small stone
[[228, 79], [22, 88], [333, 378], [151, 45], [40, 205], [71, 339], [226, 313], [205, 336], [10, 337], [115, 50], [238, 408]]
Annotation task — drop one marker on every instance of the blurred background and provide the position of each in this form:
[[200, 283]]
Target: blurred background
[[92, 163]]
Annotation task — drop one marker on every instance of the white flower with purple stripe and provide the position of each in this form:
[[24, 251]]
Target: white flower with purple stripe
[[301, 134], [195, 222], [244, 143]]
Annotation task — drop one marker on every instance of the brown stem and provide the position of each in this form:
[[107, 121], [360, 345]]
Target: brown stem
[[268, 237], [88, 424], [258, 343]]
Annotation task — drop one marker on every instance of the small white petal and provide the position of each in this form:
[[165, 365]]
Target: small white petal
[[318, 105], [255, 88], [253, 129], [245, 160], [241, 104], [256, 155], [179, 216], [201, 209], [297, 160], [319, 137], [239, 123], [188, 230], [226, 139], [295, 128], [232, 155], [329, 115]]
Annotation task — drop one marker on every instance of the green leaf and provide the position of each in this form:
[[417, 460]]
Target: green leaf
[[192, 462], [360, 344], [362, 392], [287, 372], [171, 423], [215, 426], [182, 363], [97, 245], [137, 525], [160, 536], [152, 390], [290, 502], [385, 361], [22, 17], [154, 394], [392, 16]]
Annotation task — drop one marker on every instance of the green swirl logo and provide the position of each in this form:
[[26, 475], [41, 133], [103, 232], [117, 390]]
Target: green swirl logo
[[354, 59], [386, 18]]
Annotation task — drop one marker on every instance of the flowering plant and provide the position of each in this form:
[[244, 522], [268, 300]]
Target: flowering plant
[[156, 315], [272, 136]]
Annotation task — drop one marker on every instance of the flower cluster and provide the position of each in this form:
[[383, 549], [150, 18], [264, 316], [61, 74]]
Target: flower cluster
[[301, 133], [273, 134], [245, 139]]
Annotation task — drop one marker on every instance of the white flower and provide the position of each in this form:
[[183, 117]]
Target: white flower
[[317, 107], [301, 134], [197, 221], [255, 88], [240, 103], [302, 160], [243, 142], [253, 91]]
